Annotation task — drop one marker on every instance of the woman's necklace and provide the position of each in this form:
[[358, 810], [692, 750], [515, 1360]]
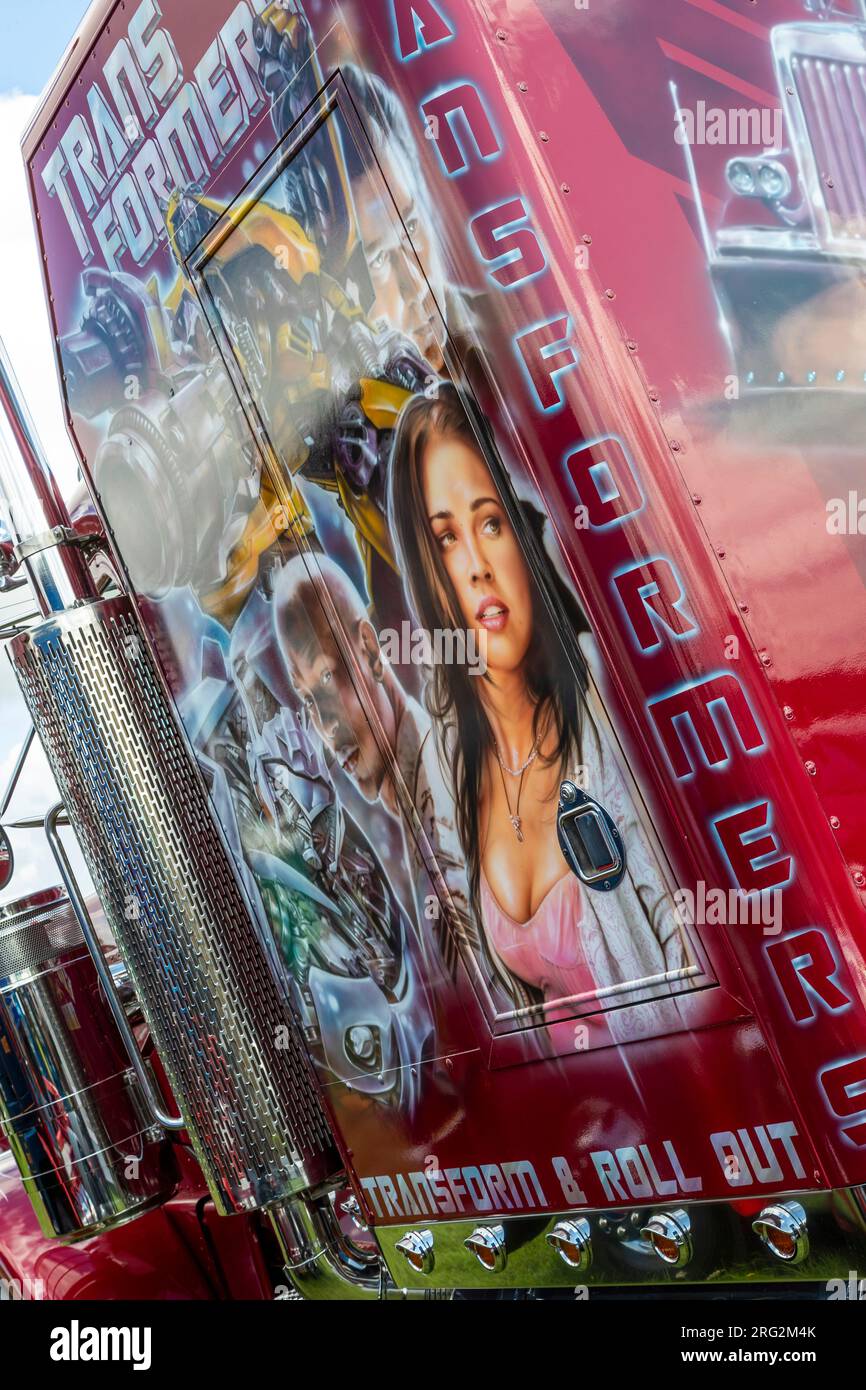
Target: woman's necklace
[[517, 771], [520, 772]]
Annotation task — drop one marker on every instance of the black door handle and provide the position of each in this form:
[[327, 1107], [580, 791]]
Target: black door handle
[[589, 839]]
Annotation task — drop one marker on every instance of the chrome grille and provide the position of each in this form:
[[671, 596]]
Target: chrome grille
[[821, 71], [833, 100], [218, 1016]]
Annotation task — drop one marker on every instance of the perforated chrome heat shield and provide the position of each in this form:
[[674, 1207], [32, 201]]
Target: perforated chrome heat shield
[[217, 1013]]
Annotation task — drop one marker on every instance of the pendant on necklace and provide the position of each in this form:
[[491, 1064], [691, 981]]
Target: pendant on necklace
[[516, 822]]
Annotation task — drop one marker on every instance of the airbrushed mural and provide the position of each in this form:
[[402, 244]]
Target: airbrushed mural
[[358, 586]]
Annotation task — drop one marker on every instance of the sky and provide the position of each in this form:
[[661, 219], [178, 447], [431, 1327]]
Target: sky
[[34, 35], [33, 39]]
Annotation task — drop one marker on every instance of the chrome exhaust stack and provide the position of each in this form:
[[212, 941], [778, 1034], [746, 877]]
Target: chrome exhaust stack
[[80, 1121], [204, 968], [219, 1019]]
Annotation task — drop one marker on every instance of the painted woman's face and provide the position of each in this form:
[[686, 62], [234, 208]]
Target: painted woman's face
[[480, 551]]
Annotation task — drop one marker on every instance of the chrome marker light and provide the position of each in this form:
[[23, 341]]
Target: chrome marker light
[[669, 1234], [416, 1247], [782, 1229], [487, 1244], [572, 1241]]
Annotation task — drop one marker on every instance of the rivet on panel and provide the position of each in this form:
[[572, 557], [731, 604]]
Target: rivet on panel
[[543, 136], [743, 607], [676, 447], [810, 767], [721, 553], [860, 879], [788, 711], [566, 187], [835, 822], [523, 87], [631, 345], [502, 35]]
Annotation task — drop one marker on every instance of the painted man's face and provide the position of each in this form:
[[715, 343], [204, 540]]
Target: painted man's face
[[406, 297], [327, 690]]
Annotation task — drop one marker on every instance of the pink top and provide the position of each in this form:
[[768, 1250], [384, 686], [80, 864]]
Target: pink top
[[545, 951]]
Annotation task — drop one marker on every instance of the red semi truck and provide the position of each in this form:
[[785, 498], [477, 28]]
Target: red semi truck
[[454, 676]]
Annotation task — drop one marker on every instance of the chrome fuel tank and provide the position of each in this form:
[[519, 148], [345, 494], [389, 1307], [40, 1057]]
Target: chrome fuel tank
[[70, 1106]]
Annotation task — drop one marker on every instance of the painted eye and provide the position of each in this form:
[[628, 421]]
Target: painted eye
[[377, 262], [326, 678], [492, 526], [446, 539]]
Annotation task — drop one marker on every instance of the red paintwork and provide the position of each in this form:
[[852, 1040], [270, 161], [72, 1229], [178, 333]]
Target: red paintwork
[[738, 1060], [160, 1255]]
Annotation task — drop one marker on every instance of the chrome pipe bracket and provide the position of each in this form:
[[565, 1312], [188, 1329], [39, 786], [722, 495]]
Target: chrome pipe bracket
[[45, 540]]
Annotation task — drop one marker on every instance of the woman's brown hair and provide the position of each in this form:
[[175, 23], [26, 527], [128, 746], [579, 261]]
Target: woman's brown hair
[[555, 678]]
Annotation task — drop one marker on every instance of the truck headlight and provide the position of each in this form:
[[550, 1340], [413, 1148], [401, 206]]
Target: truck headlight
[[774, 180], [741, 177], [758, 178]]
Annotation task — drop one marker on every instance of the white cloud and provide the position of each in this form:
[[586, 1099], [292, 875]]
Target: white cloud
[[24, 323], [24, 327]]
